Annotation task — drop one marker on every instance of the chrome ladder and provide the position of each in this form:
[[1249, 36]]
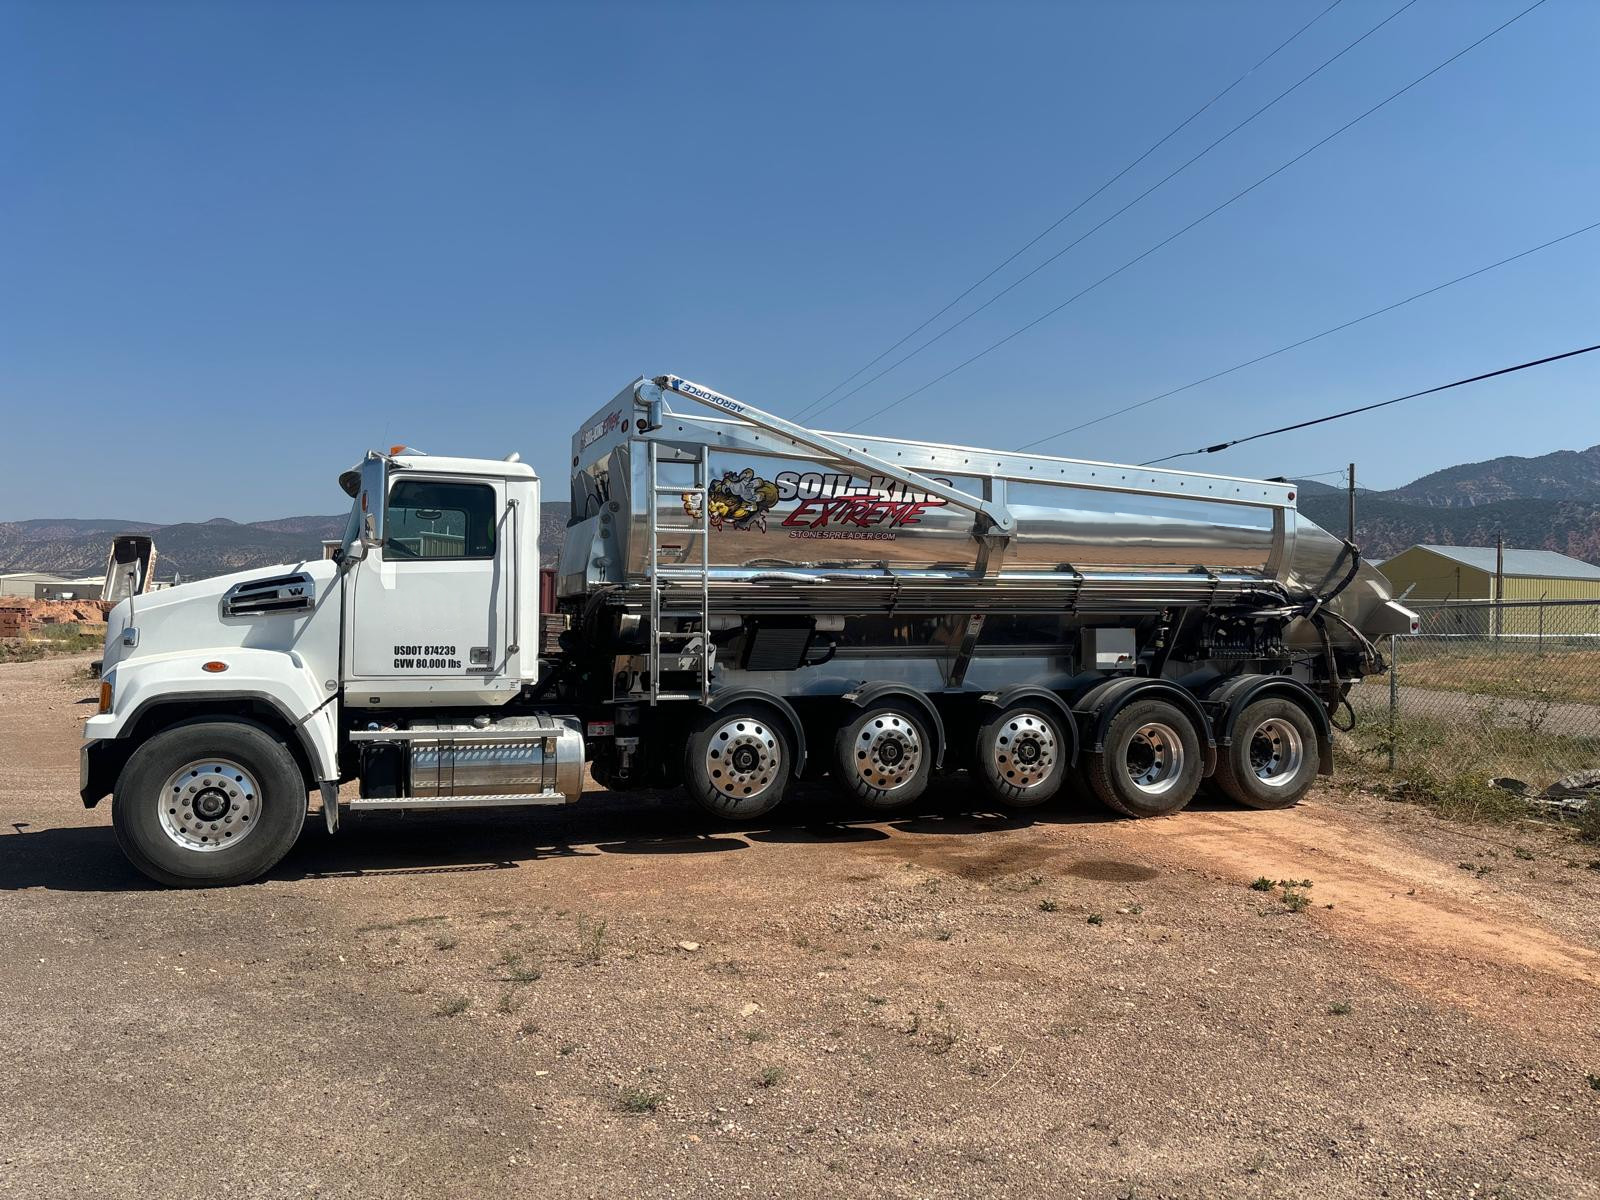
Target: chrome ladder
[[693, 642]]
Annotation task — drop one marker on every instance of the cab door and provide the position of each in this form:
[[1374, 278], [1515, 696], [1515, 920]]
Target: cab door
[[427, 620]]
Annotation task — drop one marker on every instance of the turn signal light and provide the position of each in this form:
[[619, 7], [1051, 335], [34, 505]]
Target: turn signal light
[[214, 667], [105, 696]]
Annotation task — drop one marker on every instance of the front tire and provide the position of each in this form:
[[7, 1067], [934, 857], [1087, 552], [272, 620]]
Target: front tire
[[1272, 760], [1151, 764], [210, 804]]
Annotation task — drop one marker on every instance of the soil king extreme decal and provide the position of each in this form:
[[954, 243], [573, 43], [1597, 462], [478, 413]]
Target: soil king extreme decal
[[827, 504]]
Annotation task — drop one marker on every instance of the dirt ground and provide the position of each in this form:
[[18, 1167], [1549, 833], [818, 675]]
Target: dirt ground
[[621, 999]]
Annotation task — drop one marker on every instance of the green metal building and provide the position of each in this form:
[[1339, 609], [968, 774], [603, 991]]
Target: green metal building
[[1456, 573]]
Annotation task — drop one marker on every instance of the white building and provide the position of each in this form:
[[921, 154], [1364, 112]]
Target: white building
[[45, 585]]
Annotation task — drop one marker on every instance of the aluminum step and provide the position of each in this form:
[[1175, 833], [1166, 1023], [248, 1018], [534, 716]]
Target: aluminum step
[[538, 800]]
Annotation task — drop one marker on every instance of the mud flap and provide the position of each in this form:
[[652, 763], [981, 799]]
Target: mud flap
[[330, 805]]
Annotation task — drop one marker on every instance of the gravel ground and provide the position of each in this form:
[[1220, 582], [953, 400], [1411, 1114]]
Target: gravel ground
[[621, 998]]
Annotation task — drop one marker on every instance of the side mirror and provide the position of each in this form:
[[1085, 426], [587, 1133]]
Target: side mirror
[[369, 530]]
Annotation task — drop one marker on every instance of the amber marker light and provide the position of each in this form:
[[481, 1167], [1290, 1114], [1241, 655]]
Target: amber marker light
[[105, 696], [214, 667]]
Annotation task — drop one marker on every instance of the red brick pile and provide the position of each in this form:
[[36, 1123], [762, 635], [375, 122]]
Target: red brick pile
[[18, 614]]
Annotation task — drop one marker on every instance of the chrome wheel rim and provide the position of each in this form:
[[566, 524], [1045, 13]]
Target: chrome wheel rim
[[743, 757], [1276, 752], [888, 752], [1025, 750], [210, 804], [1154, 758]]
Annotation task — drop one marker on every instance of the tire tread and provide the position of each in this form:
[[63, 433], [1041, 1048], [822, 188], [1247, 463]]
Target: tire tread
[[164, 752], [1098, 767], [1232, 783]]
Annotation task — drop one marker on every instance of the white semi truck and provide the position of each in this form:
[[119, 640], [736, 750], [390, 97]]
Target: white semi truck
[[747, 602]]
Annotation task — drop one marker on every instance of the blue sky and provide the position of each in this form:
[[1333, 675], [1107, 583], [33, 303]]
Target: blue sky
[[241, 243]]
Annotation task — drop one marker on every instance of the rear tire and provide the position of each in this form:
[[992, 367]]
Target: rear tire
[[1151, 764], [1021, 755], [884, 757], [1273, 759], [211, 804], [737, 762]]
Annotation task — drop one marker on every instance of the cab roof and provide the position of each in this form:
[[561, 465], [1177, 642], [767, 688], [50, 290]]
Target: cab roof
[[497, 468], [483, 468]]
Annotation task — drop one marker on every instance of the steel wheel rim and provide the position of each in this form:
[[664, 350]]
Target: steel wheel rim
[[743, 757], [1276, 752], [1154, 758], [1025, 750], [209, 804], [888, 752]]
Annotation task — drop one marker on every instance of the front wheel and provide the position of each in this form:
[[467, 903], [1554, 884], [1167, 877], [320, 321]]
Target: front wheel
[[1272, 760], [210, 804]]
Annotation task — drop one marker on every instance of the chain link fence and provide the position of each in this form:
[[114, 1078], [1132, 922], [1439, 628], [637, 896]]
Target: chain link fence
[[1485, 690]]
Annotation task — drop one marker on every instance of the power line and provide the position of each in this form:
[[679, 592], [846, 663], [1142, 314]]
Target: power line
[[1162, 182], [1051, 228], [1340, 471], [1237, 196], [1350, 412], [1377, 312]]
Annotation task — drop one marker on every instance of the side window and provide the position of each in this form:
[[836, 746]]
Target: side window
[[439, 520]]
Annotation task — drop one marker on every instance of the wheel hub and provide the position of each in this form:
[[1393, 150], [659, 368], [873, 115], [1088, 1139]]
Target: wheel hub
[[743, 758], [1276, 752], [888, 752], [1025, 750], [1154, 758], [209, 804]]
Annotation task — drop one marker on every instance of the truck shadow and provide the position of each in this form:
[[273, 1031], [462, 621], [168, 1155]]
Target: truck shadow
[[87, 858]]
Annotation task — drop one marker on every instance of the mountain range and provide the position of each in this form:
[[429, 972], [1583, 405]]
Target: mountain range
[[197, 550], [1548, 502]]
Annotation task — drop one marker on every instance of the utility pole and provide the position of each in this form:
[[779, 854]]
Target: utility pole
[[1499, 580], [1352, 502]]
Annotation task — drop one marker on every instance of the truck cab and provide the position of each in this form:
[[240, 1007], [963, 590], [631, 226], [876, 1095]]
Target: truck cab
[[219, 697], [441, 559]]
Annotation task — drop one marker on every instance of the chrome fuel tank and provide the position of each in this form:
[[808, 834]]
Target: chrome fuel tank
[[514, 757]]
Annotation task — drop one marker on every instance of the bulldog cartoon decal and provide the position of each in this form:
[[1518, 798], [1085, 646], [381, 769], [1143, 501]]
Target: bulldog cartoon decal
[[737, 500]]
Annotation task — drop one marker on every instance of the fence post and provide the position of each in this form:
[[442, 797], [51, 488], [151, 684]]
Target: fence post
[[1394, 695]]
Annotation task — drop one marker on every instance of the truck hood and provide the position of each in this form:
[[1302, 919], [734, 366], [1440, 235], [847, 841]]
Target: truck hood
[[267, 608]]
